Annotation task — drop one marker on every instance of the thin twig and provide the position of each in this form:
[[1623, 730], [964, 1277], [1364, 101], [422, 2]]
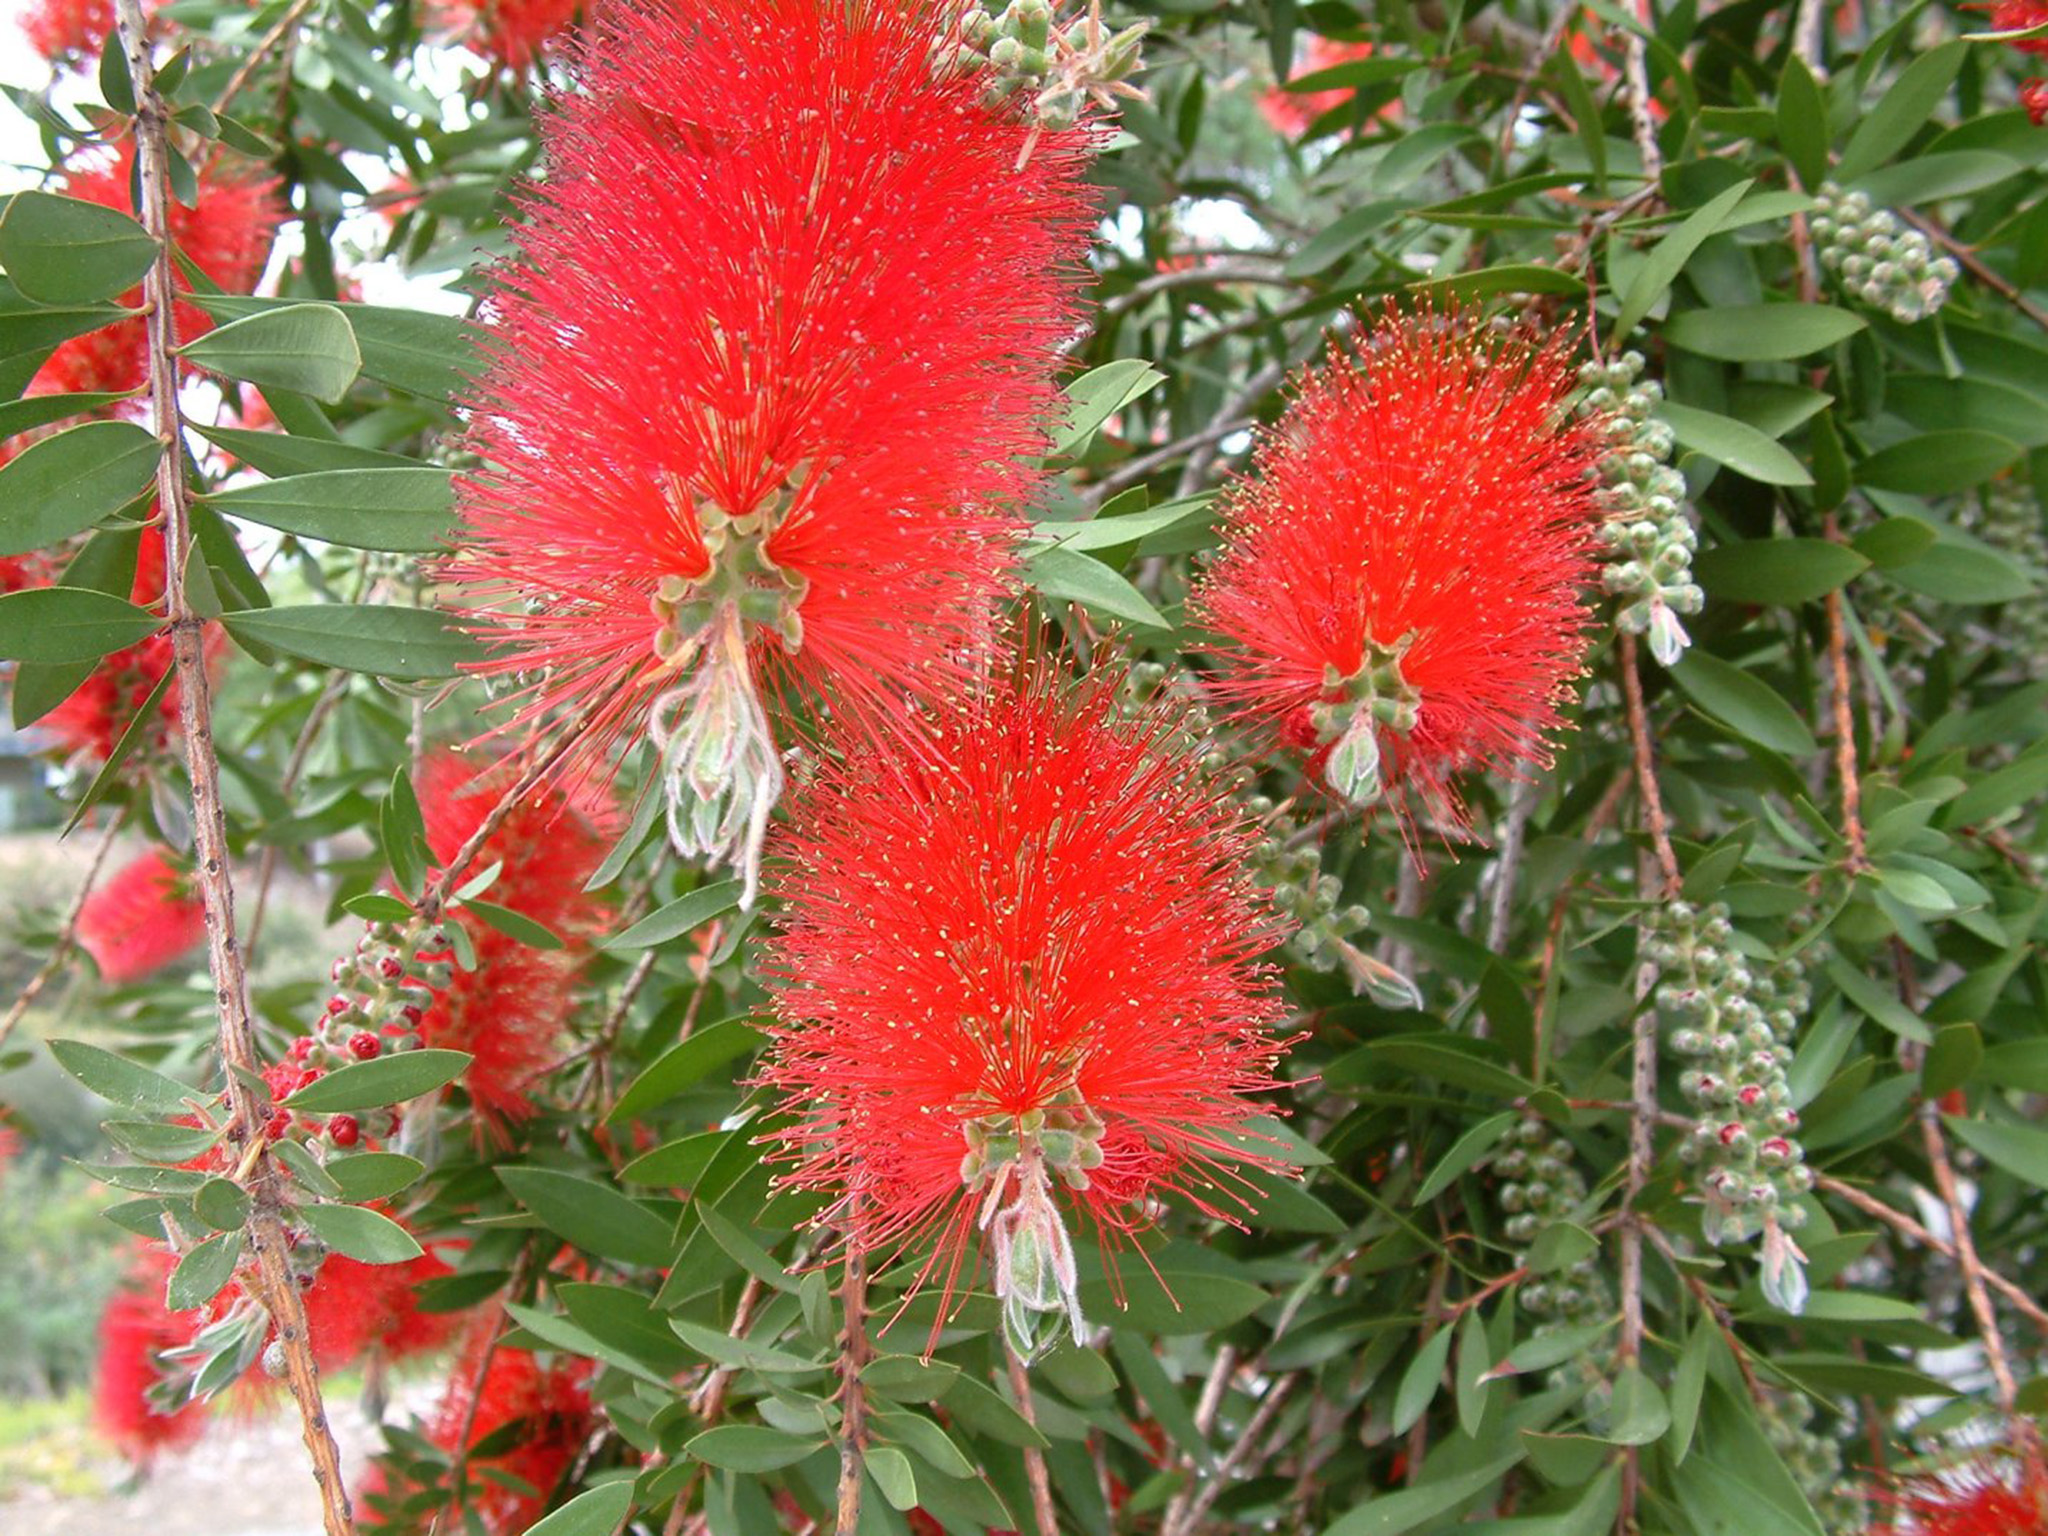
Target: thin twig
[[67, 936], [1206, 1408], [1507, 870], [1844, 722], [1711, 1305], [2022, 1302], [1806, 36], [1566, 15], [1966, 1258], [271, 1279], [1211, 1488], [853, 1405], [1646, 768], [1635, 75], [1042, 1510], [286, 26], [1204, 273], [302, 749], [1641, 1152]]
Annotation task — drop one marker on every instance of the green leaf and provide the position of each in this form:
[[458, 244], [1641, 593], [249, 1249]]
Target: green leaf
[[279, 454], [1777, 572], [1736, 444], [409, 509], [1465, 1152], [686, 914], [1469, 1381], [1098, 395], [360, 1234], [890, 1469], [155, 1141], [61, 250], [380, 639], [1938, 463], [429, 355], [1688, 1382], [1420, 1381], [1638, 1414], [1963, 575], [514, 925], [1661, 267], [2020, 1150], [751, 1447], [65, 483], [1179, 1299], [366, 1176], [18, 416], [591, 1215], [742, 1354], [1757, 333], [1393, 1514], [121, 1081], [684, 1065], [1877, 1001], [203, 1271], [57, 624], [1933, 178], [394, 1079], [597, 1512], [222, 1204], [1744, 703], [1509, 277], [1895, 541], [308, 349], [1338, 239], [1803, 122], [1064, 575], [1904, 109]]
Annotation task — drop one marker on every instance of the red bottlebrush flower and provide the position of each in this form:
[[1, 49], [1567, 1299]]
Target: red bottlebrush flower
[[509, 1011], [141, 920], [765, 376], [10, 1145], [512, 34], [1019, 934], [1399, 585], [355, 1309], [227, 234], [2020, 16], [549, 1403], [1981, 1498], [135, 1329], [68, 31], [1292, 112], [2034, 97]]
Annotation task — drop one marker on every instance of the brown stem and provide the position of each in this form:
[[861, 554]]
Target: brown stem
[[1711, 1305], [67, 936], [1035, 1475], [1844, 722], [853, 1405], [271, 1279], [1635, 75], [1646, 768], [1212, 1487], [2022, 1302], [1641, 1147], [266, 867], [1508, 870], [1966, 1255]]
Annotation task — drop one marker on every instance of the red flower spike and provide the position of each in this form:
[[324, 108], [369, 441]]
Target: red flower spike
[[141, 920], [2034, 97], [1291, 113], [1399, 584], [227, 234], [1980, 1498], [69, 31], [512, 34], [510, 1010], [766, 375], [1018, 982], [134, 1330], [550, 1405], [2021, 16]]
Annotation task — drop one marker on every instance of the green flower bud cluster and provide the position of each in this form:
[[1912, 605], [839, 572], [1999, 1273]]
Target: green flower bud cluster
[[1302, 891], [1544, 1187], [1878, 259], [1814, 1459], [1355, 709], [1735, 1021], [1650, 539], [1057, 71]]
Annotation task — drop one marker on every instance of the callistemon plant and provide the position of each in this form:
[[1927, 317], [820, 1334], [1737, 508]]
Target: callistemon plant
[[771, 365], [1019, 984], [1399, 589]]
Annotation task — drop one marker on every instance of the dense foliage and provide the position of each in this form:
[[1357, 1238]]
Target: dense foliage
[[1469, 962]]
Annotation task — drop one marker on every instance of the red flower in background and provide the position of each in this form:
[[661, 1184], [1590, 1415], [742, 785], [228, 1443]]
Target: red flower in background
[[1979, 1499], [355, 1310], [1292, 112], [135, 1330], [2020, 16], [510, 1010], [546, 1404], [227, 234], [69, 31], [513, 34], [2034, 97], [141, 920], [1019, 934], [774, 356], [89, 723], [1399, 584]]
